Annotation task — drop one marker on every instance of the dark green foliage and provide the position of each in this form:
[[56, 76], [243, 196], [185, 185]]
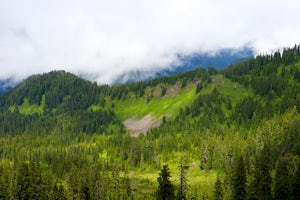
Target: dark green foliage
[[165, 189], [58, 192], [271, 76], [244, 110], [4, 184], [81, 121], [38, 184], [55, 86], [212, 71], [283, 186], [206, 109], [199, 87], [67, 99], [24, 184], [218, 190], [163, 91], [296, 184], [239, 180], [260, 185]]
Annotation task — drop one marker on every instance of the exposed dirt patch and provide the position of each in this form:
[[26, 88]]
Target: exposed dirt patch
[[171, 90], [138, 127], [216, 80], [157, 90]]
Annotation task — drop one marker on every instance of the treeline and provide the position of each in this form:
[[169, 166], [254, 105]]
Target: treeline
[[89, 122], [32, 181], [199, 75]]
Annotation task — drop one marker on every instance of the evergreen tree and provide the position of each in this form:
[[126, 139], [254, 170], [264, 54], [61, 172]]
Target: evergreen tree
[[296, 184], [261, 180], [282, 188], [239, 180], [218, 191], [165, 189]]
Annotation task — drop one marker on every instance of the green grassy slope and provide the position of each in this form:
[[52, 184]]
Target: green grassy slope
[[170, 105], [156, 107]]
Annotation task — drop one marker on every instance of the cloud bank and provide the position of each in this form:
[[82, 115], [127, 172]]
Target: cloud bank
[[105, 39]]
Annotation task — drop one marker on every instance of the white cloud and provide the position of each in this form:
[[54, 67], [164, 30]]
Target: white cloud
[[108, 38]]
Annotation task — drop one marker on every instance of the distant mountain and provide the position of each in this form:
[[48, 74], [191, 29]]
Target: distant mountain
[[56, 97], [219, 60], [6, 85]]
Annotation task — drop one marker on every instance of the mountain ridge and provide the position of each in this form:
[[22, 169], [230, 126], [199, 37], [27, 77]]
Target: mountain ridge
[[219, 59], [63, 92]]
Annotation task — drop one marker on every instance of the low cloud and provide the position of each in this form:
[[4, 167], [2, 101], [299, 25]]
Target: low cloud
[[105, 39]]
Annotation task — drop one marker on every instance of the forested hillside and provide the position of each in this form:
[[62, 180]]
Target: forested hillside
[[220, 134]]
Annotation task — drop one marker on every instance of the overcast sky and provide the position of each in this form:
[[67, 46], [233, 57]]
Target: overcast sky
[[107, 38]]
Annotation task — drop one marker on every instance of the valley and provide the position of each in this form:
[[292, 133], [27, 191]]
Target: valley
[[63, 137]]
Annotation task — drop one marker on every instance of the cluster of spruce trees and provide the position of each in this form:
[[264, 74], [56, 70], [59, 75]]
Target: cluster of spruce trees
[[260, 180], [27, 180], [271, 76]]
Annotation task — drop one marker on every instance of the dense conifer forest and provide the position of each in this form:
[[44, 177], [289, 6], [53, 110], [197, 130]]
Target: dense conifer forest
[[223, 134]]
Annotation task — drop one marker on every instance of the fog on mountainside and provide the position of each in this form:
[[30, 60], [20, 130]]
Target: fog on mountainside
[[219, 59]]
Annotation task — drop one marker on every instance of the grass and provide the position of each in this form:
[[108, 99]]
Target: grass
[[204, 180], [226, 87], [156, 107], [170, 105], [95, 108]]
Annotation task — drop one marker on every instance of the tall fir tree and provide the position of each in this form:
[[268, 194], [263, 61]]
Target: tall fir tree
[[239, 180], [165, 189], [259, 187]]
